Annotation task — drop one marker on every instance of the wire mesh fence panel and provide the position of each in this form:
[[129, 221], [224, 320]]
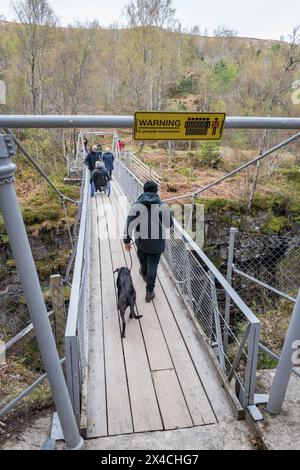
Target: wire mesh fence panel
[[206, 297], [266, 274], [14, 314], [271, 259], [140, 169]]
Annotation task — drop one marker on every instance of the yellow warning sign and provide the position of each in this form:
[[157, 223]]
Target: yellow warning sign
[[178, 126]]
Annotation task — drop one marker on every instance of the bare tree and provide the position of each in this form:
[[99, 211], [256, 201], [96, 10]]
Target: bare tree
[[150, 18], [290, 60], [36, 35], [76, 57], [75, 60], [225, 32]]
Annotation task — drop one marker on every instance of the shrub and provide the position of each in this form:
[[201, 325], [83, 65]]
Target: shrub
[[184, 171], [187, 85], [210, 154], [274, 225]]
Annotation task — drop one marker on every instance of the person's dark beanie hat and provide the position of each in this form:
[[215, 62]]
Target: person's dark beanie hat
[[150, 187]]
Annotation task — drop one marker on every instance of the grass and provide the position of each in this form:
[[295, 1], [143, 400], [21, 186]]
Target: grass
[[274, 225], [54, 263], [221, 205], [274, 318], [14, 378]]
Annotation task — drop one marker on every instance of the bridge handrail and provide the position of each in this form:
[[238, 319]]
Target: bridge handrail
[[75, 349], [139, 168], [80, 252]]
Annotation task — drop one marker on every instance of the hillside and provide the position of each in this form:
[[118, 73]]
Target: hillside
[[120, 71]]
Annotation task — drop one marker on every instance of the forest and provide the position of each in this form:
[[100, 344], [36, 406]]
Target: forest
[[152, 64], [88, 69]]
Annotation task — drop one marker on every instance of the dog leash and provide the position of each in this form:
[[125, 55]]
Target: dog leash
[[131, 261]]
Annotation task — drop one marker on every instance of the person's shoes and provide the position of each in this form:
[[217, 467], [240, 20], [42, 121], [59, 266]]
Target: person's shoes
[[149, 296], [142, 275]]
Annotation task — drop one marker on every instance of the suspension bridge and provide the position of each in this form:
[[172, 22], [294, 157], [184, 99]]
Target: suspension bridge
[[183, 369]]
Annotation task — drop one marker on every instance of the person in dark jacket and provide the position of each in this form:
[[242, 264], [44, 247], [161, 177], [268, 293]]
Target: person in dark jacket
[[99, 179], [92, 157], [147, 222], [108, 159]]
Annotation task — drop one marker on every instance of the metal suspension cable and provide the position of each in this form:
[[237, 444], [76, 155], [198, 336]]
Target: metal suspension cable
[[68, 223], [37, 167], [237, 170]]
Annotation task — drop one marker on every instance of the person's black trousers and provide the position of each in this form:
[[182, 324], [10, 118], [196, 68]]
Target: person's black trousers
[[149, 264]]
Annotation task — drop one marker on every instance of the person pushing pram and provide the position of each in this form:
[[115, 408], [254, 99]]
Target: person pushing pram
[[100, 180]]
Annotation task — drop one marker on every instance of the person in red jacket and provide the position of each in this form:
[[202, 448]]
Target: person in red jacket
[[121, 145]]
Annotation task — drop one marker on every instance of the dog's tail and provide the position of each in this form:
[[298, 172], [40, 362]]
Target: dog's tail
[[117, 270]]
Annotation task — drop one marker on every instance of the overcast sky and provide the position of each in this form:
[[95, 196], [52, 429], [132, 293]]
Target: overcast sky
[[267, 19]]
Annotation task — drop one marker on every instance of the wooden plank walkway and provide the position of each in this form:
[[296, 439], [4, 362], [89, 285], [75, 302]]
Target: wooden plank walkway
[[159, 377]]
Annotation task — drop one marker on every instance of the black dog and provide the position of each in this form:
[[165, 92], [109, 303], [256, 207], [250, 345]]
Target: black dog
[[126, 296]]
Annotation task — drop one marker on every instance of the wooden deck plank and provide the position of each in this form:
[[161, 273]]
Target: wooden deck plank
[[145, 410], [157, 350], [177, 379], [118, 406], [206, 370], [193, 390], [173, 407], [96, 403]]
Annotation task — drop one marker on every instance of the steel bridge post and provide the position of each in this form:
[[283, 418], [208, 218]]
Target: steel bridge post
[[16, 231], [251, 366], [217, 321], [285, 366]]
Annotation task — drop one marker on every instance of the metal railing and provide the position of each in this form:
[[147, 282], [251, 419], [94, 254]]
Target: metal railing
[[127, 122], [75, 164], [139, 168], [142, 171], [76, 330], [129, 182], [204, 290]]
